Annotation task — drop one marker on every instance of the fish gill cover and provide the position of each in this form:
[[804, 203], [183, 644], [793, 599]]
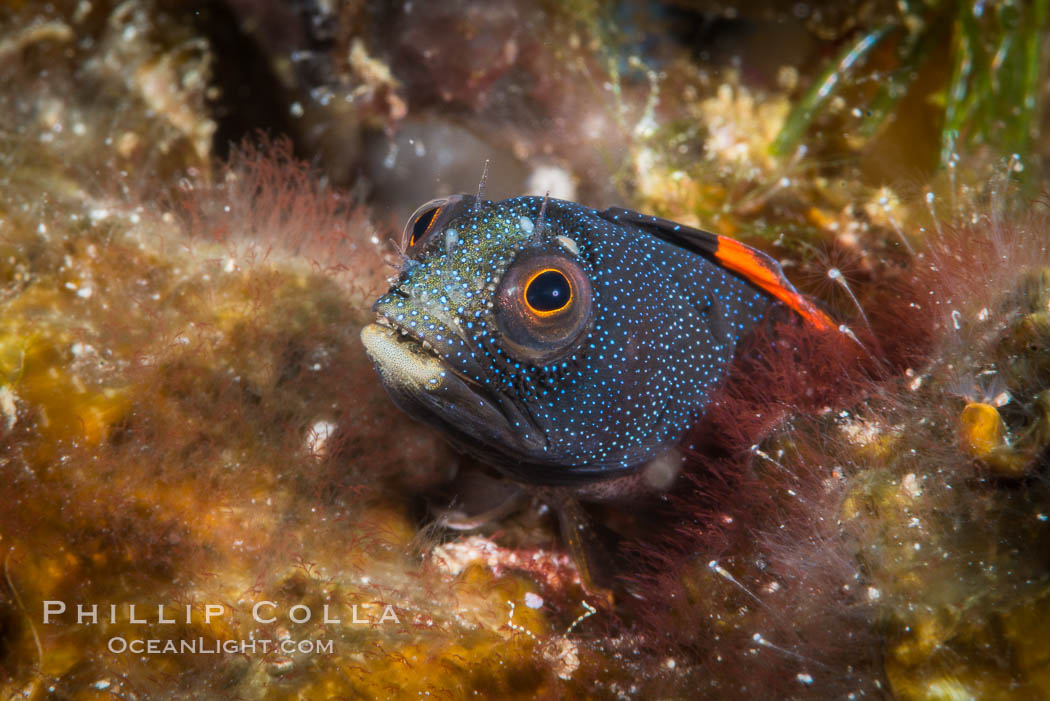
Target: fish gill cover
[[205, 491]]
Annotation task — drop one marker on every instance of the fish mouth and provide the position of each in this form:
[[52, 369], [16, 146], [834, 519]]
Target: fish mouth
[[425, 387], [417, 346], [402, 358], [405, 335]]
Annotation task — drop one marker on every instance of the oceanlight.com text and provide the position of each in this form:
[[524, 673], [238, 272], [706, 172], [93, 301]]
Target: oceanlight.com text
[[204, 646]]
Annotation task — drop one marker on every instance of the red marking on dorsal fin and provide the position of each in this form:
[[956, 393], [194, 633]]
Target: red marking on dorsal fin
[[749, 263], [766, 274]]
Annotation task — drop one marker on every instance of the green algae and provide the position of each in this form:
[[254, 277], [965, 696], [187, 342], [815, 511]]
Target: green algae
[[989, 97]]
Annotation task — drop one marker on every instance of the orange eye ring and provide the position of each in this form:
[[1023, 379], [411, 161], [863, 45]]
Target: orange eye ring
[[556, 286], [544, 306], [431, 218], [427, 218]]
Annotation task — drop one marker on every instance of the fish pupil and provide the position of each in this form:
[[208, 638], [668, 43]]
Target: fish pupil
[[548, 292], [423, 223]]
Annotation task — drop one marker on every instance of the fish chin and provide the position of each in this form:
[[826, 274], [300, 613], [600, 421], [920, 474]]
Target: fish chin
[[423, 386]]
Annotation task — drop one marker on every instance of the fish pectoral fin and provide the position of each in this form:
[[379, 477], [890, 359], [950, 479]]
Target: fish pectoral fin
[[592, 546], [753, 265], [479, 500]]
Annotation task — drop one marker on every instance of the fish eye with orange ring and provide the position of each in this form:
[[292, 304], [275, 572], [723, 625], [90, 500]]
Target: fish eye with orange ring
[[430, 218], [547, 292], [544, 306], [422, 224]]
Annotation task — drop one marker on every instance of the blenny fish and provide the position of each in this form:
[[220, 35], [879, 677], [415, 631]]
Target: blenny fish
[[561, 344]]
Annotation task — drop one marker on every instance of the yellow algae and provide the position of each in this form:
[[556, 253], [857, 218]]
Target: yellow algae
[[946, 662], [871, 438], [984, 435], [741, 129], [37, 359], [981, 429], [822, 219], [928, 631], [1024, 629]]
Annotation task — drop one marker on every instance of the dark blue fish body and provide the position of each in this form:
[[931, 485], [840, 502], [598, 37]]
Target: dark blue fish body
[[562, 344]]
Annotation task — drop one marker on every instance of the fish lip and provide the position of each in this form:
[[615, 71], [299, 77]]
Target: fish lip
[[406, 334], [491, 414], [467, 412], [414, 335]]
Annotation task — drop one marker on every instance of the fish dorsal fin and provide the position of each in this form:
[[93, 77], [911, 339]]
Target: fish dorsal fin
[[749, 263]]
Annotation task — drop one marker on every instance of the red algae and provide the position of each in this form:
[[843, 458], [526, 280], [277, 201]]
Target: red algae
[[817, 527]]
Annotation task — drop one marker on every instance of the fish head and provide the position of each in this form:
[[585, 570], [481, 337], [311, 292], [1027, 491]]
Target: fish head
[[556, 344]]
